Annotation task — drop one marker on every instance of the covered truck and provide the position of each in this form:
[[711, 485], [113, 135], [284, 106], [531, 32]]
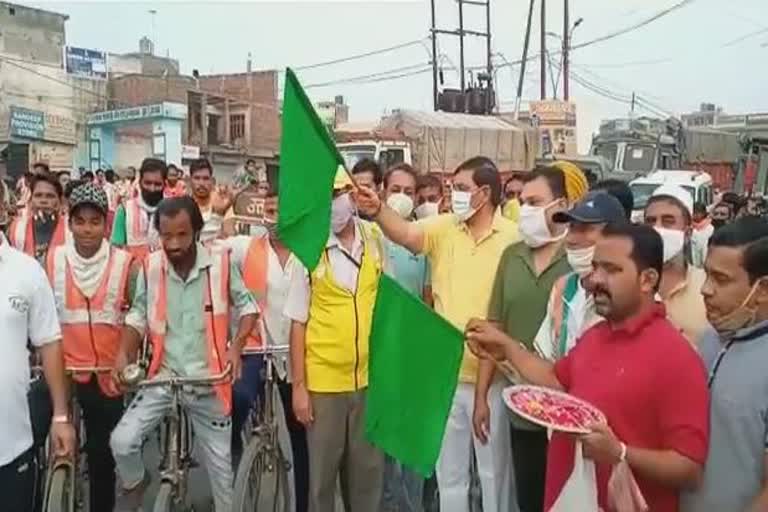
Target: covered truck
[[438, 142], [637, 147]]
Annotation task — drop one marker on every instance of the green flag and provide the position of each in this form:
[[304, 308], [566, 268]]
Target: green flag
[[415, 357], [308, 163]]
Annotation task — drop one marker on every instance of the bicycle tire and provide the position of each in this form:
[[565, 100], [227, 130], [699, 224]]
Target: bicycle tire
[[259, 458], [57, 498], [164, 499]]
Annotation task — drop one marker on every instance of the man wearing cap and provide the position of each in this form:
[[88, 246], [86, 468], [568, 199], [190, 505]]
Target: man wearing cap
[[670, 212], [571, 307], [90, 284], [331, 312], [527, 271]]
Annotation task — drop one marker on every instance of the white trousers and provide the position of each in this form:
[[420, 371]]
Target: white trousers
[[494, 459]]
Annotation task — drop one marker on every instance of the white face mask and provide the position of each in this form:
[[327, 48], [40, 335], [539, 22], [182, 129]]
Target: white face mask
[[427, 210], [401, 203], [461, 204], [533, 226], [580, 260], [341, 212], [674, 240]]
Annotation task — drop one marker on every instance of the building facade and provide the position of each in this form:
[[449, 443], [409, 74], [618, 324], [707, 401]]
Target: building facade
[[44, 106]]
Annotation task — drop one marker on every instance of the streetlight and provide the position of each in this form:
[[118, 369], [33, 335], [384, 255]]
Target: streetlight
[[564, 58]]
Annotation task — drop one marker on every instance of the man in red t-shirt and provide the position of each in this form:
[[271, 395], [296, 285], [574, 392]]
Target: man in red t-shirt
[[635, 367]]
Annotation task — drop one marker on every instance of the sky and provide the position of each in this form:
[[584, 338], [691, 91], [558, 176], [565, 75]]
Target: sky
[[701, 52]]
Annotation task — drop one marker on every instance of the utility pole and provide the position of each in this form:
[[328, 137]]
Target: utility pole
[[461, 45], [543, 56], [461, 32], [434, 60], [153, 13], [566, 51], [526, 43], [491, 91]]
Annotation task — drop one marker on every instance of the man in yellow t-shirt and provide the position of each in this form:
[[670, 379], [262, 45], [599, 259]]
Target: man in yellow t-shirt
[[463, 249]]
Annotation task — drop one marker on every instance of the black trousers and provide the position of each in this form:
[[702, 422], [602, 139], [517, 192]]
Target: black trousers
[[17, 483], [529, 455], [101, 414], [298, 448]]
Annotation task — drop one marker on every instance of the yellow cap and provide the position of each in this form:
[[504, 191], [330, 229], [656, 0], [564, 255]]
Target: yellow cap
[[576, 185], [341, 181]]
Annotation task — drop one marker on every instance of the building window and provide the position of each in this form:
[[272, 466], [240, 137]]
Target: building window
[[237, 126]]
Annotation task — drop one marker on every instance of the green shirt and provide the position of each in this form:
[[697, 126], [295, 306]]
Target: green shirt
[[519, 298], [185, 341], [119, 231]]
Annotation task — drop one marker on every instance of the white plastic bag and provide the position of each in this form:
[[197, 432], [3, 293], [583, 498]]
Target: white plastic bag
[[623, 492], [580, 490]]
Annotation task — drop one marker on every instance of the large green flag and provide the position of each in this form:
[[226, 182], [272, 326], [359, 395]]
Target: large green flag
[[415, 357], [308, 163]]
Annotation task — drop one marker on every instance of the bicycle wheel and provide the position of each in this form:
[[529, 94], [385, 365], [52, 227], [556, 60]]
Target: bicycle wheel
[[164, 501], [262, 480], [58, 496]]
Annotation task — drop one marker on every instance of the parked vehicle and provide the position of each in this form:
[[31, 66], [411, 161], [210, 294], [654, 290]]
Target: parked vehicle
[[640, 146], [439, 141], [699, 184]]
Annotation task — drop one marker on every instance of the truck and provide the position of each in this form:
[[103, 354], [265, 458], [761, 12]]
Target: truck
[[438, 142], [639, 146]]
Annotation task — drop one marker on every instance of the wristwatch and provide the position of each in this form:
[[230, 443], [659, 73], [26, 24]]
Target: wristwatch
[[60, 418]]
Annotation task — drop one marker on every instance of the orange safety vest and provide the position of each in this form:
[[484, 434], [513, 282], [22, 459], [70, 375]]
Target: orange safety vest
[[137, 228], [215, 311], [91, 328], [255, 278], [21, 234]]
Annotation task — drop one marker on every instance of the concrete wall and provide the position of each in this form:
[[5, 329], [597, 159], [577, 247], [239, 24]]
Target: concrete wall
[[32, 34], [50, 89]]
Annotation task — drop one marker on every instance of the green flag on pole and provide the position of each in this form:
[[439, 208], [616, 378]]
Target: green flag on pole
[[415, 355], [308, 163]]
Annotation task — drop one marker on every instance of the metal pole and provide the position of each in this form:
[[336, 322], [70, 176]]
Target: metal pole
[[461, 45], [434, 60], [566, 51], [520, 80], [543, 60], [490, 92]]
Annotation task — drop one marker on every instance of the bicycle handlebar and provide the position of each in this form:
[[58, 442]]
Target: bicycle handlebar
[[175, 381], [271, 350], [88, 369]]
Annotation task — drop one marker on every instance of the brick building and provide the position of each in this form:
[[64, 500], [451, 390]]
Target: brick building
[[241, 120]]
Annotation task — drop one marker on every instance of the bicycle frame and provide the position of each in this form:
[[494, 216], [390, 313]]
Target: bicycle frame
[[175, 450], [267, 426], [72, 462]]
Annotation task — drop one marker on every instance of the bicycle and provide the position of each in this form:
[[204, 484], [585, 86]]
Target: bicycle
[[176, 442], [263, 456], [64, 476]]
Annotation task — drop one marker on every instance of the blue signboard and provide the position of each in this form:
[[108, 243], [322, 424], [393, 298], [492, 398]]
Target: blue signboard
[[26, 123], [86, 63]]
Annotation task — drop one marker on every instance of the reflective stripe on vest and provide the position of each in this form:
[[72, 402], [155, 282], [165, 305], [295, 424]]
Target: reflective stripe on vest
[[215, 312], [91, 327], [563, 291], [339, 323], [255, 278]]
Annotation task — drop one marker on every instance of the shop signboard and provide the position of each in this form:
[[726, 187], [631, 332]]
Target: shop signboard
[[85, 63], [27, 123]]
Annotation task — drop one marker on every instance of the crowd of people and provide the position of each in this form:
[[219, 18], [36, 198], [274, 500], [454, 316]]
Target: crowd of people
[[659, 325]]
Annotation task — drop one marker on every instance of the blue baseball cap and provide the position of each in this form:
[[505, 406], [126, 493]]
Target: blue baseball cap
[[597, 207]]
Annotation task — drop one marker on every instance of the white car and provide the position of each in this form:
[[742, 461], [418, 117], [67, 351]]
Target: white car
[[699, 184]]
